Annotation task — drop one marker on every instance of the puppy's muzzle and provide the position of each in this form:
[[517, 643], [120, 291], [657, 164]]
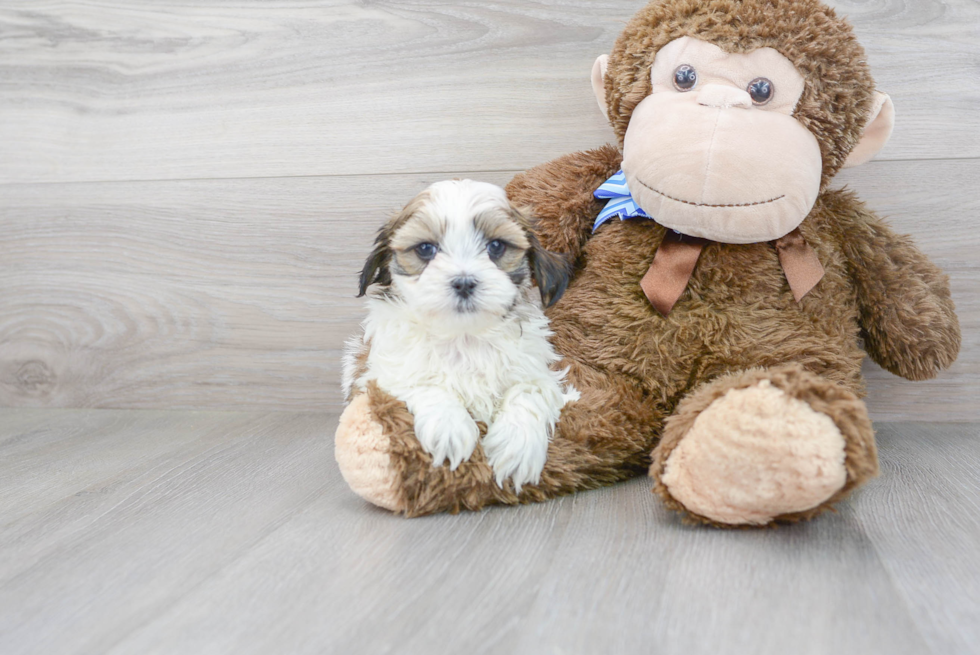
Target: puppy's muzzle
[[464, 286]]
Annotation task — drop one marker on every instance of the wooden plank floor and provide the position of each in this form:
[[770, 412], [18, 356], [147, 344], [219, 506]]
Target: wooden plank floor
[[126, 531], [187, 190]]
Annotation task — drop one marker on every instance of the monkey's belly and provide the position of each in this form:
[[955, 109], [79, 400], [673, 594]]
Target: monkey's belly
[[736, 313]]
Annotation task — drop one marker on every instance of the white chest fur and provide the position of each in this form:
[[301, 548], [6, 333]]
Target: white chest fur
[[478, 369]]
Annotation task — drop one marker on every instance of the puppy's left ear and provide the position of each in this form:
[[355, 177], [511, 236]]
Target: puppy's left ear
[[375, 269], [550, 270]]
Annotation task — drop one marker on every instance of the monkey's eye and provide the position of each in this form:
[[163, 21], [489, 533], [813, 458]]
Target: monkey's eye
[[426, 251], [496, 249], [685, 77], [761, 90]]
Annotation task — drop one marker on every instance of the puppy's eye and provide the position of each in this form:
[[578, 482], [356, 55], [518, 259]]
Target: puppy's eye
[[496, 249], [426, 251]]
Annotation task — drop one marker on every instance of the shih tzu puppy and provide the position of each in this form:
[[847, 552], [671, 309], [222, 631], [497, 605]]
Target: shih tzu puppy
[[455, 332]]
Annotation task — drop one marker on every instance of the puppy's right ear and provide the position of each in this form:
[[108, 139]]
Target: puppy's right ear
[[375, 269]]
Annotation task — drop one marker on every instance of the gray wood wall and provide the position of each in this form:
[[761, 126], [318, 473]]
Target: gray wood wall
[[187, 189]]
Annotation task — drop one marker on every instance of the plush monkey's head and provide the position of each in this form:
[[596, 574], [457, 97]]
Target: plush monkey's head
[[734, 115]]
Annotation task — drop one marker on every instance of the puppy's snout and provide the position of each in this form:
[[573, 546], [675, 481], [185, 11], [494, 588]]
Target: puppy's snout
[[464, 286]]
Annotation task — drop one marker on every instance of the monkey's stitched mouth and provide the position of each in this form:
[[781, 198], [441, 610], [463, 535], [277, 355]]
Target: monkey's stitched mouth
[[698, 204]]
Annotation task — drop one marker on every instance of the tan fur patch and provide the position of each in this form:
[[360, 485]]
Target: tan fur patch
[[848, 414], [417, 227], [754, 454], [363, 454], [503, 226], [410, 211]]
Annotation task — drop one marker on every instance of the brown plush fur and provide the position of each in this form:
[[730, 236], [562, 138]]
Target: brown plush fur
[[596, 449], [737, 322]]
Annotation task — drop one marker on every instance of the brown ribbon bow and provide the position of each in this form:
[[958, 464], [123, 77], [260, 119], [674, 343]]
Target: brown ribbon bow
[[677, 255]]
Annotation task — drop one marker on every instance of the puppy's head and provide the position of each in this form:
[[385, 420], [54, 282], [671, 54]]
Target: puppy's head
[[460, 252]]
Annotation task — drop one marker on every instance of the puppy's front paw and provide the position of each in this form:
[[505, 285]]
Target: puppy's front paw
[[517, 446], [446, 432]]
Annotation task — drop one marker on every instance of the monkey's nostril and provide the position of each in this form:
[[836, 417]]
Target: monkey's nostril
[[463, 286]]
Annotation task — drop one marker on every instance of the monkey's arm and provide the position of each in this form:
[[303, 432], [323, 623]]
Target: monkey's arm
[[559, 195], [907, 315]]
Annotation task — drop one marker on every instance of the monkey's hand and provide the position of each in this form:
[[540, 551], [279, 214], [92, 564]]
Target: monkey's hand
[[907, 317], [559, 196]]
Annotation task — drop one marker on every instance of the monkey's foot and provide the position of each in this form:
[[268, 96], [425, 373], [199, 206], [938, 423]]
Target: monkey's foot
[[382, 462], [363, 452], [762, 446]]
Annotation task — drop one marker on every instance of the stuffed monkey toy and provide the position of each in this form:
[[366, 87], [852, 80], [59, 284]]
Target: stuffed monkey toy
[[721, 292]]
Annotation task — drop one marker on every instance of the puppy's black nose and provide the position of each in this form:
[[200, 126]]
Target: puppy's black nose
[[464, 286]]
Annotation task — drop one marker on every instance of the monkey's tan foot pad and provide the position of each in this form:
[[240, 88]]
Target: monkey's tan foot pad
[[759, 450], [363, 452]]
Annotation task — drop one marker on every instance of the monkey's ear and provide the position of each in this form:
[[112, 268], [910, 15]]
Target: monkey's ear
[[876, 132], [550, 271], [599, 82], [375, 269]]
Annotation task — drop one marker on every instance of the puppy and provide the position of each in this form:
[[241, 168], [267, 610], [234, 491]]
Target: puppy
[[455, 332]]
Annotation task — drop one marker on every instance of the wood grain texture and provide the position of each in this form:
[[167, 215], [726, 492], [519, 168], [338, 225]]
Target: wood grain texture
[[658, 586], [239, 294], [137, 509], [206, 532], [921, 516], [217, 89]]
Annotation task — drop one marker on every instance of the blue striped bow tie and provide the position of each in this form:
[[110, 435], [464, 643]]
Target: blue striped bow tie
[[620, 203]]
